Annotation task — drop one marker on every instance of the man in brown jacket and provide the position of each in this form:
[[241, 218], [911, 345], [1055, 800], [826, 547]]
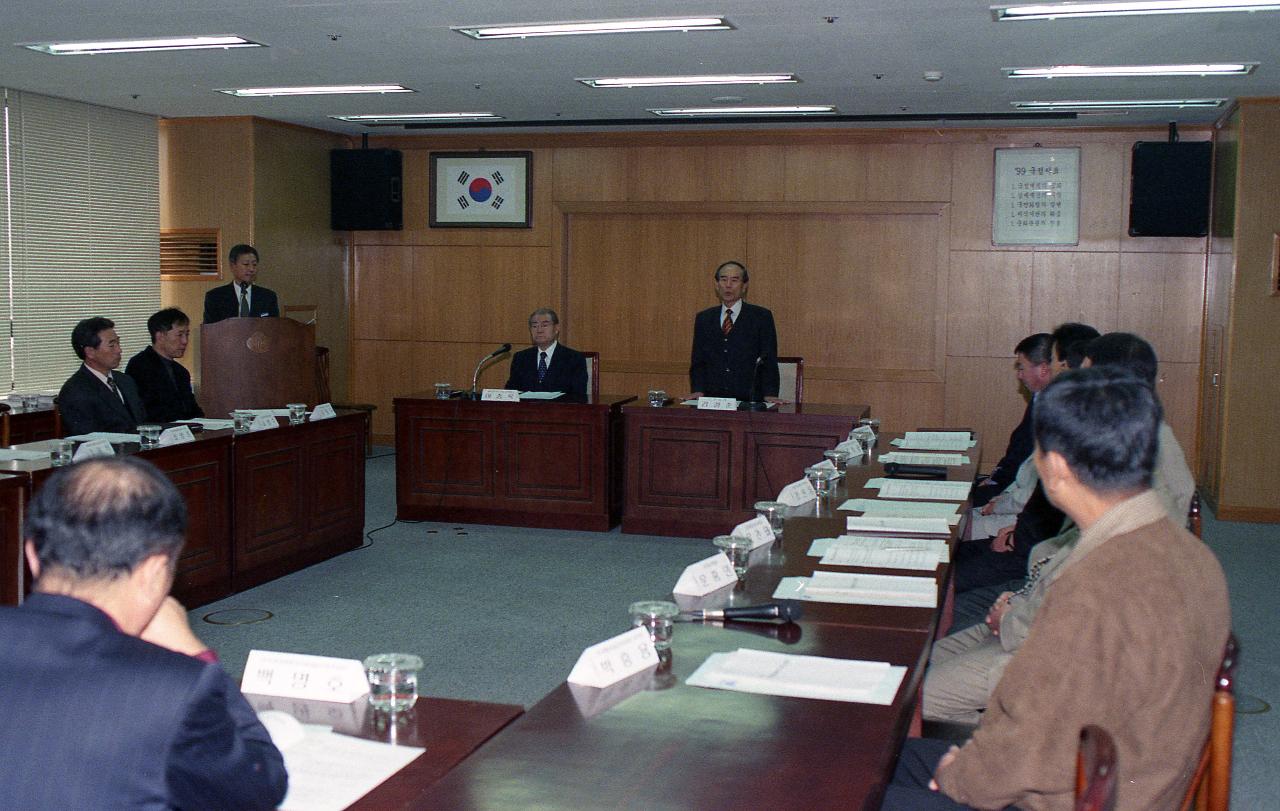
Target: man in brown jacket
[[1129, 637]]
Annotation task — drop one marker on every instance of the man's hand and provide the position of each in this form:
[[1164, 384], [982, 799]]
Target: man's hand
[[943, 763], [988, 508], [998, 609], [1003, 542], [695, 395], [169, 629]]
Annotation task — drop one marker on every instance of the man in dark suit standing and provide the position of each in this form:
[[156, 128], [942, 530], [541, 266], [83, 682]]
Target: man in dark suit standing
[[735, 345], [242, 298], [110, 700], [548, 365], [164, 384], [96, 398]]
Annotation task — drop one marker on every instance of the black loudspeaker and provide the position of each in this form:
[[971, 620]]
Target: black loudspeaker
[[1170, 189], [365, 190]]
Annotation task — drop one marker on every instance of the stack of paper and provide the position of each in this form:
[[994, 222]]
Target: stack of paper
[[888, 525], [886, 553], [15, 455], [902, 458], [212, 424], [887, 508], [109, 436], [328, 771], [934, 491], [935, 441], [540, 395], [780, 674], [860, 589], [821, 546]]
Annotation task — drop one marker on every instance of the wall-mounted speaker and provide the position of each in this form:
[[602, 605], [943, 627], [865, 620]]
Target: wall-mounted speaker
[[365, 190], [1170, 189]]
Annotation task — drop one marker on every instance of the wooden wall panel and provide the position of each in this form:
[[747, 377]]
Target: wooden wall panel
[[383, 276], [744, 173], [1158, 293], [900, 406], [382, 369], [670, 173], [909, 172], [989, 305], [590, 174], [1177, 387], [1082, 287], [479, 294], [983, 394], [827, 172]]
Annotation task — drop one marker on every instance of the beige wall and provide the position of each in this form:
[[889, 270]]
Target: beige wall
[[265, 184], [872, 247]]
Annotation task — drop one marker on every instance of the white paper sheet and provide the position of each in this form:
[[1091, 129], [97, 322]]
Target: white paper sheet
[[876, 525], [904, 509], [115, 439], [904, 458], [937, 491], [881, 557], [860, 589], [540, 395], [211, 424], [755, 671], [821, 546], [15, 455], [934, 441], [329, 771]]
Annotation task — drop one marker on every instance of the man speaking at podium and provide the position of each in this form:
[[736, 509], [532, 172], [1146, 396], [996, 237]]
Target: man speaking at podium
[[548, 365], [735, 345], [242, 298]]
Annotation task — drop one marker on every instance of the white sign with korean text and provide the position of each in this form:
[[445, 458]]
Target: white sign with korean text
[[1036, 200], [615, 659], [500, 395], [758, 530], [706, 576], [176, 435], [717, 404], [300, 675]]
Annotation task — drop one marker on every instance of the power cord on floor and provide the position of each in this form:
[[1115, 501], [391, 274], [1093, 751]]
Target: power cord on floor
[[368, 536]]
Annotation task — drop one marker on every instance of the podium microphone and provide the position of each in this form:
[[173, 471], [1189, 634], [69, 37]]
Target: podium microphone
[[499, 352], [784, 611], [757, 402]]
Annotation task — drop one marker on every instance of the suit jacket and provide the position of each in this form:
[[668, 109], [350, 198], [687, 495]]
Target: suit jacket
[[164, 385], [567, 371], [1021, 443], [722, 366], [87, 404], [95, 718], [224, 302]]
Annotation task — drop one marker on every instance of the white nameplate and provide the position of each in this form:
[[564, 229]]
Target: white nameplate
[[324, 411], [825, 464], [93, 449], [615, 659], [299, 675], [263, 423], [864, 431], [851, 447], [757, 529], [501, 395], [797, 493], [706, 576], [717, 404], [177, 435]]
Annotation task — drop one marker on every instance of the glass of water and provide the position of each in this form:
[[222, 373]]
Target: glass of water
[[242, 420], [775, 512], [393, 680], [60, 452], [657, 398], [838, 458], [444, 391], [738, 550], [297, 413], [149, 435], [656, 616]]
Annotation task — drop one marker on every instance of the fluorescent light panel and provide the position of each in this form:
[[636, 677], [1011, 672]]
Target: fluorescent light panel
[[803, 109], [413, 118], [316, 90], [675, 81], [1062, 71], [521, 30], [192, 43], [1058, 11], [1132, 104]]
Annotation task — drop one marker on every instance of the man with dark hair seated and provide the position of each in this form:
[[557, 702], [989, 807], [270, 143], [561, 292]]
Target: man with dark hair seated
[[110, 701], [1032, 363], [164, 384], [96, 397], [1129, 637]]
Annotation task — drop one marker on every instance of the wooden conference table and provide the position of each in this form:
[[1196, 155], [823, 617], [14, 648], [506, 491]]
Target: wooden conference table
[[654, 742], [260, 505]]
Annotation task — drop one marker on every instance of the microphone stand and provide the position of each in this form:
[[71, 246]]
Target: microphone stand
[[757, 403], [475, 377]]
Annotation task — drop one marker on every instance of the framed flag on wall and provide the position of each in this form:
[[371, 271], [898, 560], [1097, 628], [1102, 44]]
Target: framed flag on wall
[[481, 189]]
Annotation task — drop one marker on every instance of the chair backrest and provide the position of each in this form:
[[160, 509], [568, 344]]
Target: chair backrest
[[1096, 770], [4, 425], [791, 379], [1193, 515], [1210, 789], [593, 375]]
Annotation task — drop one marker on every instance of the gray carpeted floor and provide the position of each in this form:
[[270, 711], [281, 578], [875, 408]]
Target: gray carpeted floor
[[501, 613]]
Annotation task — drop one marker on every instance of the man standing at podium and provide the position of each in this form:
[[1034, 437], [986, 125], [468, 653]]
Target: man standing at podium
[[735, 345], [242, 298], [548, 365]]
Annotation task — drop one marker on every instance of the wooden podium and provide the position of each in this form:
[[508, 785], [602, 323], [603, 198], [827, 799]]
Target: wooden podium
[[256, 363]]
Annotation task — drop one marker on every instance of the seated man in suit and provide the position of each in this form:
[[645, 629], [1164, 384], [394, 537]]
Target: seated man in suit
[[164, 384], [110, 700], [548, 365], [242, 298], [1129, 636], [1032, 358], [96, 398], [735, 345]]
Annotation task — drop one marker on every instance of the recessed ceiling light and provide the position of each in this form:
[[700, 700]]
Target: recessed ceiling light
[[1131, 104], [673, 81], [193, 43], [413, 118], [1060, 71], [1055, 11], [594, 27], [802, 109], [316, 90]]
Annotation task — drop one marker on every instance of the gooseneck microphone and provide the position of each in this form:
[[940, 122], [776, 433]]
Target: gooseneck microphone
[[784, 611], [756, 402], [499, 352]]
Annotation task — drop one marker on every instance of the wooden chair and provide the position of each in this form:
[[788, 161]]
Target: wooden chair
[[791, 379], [1193, 515], [593, 375], [1210, 789], [4, 425], [1096, 770]]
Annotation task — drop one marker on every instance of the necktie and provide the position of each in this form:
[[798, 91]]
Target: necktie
[[111, 384], [244, 301], [542, 366], [727, 326]]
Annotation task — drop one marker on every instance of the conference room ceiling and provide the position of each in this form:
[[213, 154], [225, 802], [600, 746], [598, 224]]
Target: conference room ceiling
[[868, 59]]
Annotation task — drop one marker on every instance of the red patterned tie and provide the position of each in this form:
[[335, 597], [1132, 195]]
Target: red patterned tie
[[727, 326]]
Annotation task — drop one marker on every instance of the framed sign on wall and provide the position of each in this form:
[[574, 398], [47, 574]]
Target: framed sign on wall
[[481, 189], [1036, 200]]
